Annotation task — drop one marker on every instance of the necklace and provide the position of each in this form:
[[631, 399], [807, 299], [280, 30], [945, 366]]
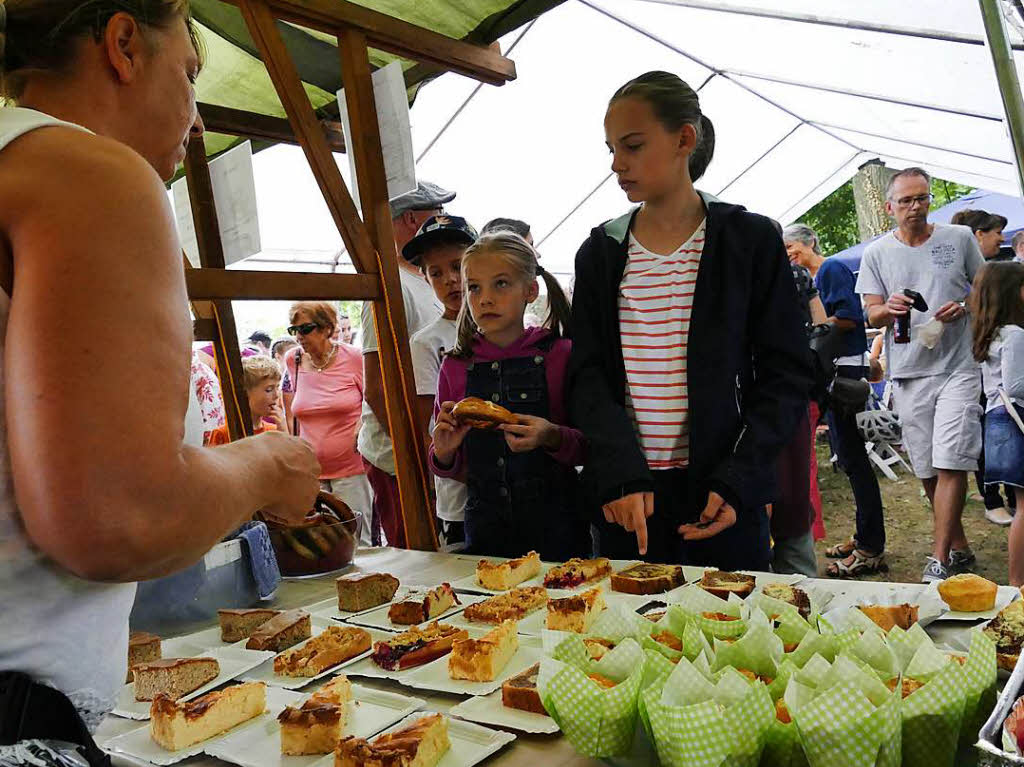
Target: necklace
[[330, 356]]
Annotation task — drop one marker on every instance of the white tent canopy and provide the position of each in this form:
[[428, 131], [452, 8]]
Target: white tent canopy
[[801, 93]]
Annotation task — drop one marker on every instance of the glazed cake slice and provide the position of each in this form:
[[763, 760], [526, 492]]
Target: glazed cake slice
[[501, 576], [521, 691], [236, 625], [576, 572], [512, 605], [315, 726], [281, 632], [335, 645], [419, 608], [420, 744], [481, 660], [361, 591], [173, 677], [575, 613], [178, 725]]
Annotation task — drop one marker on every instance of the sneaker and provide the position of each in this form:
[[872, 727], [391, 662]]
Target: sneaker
[[961, 560], [934, 571], [999, 516]]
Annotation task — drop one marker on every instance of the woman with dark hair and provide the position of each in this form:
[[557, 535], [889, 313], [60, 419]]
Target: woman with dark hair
[[690, 367], [92, 503], [988, 229]]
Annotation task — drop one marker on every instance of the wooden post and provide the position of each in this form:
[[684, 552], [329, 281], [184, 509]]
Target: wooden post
[[389, 317], [211, 254]]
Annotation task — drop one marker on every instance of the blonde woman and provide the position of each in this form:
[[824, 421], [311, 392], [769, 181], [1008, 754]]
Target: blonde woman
[[101, 490]]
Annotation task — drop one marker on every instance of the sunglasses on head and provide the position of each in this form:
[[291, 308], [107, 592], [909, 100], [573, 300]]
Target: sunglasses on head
[[302, 330]]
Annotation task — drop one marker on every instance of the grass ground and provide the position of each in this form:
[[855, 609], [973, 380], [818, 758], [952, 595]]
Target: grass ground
[[908, 525]]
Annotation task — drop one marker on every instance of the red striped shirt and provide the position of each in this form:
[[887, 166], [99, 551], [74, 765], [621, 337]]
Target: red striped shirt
[[655, 301]]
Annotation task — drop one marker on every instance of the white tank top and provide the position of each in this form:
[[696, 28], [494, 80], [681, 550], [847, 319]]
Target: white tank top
[[61, 630]]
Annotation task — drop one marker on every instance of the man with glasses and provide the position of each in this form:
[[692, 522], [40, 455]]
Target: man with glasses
[[937, 389], [408, 213]]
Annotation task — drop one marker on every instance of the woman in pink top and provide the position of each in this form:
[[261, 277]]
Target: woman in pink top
[[324, 403]]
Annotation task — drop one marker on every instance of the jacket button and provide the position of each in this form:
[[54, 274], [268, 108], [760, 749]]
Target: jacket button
[[522, 395], [501, 462], [538, 359], [503, 492], [495, 397], [495, 365]]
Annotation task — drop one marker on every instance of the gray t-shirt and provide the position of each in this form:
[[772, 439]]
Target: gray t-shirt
[[941, 270]]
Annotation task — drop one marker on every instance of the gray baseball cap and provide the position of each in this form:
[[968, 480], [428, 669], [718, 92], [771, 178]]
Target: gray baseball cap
[[426, 196]]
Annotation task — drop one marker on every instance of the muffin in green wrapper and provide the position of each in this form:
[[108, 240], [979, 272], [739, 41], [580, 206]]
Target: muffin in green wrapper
[[681, 625], [980, 680], [759, 651], [697, 723], [599, 721], [931, 717], [700, 605]]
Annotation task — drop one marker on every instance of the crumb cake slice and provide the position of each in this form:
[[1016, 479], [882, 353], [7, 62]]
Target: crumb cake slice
[[481, 660], [512, 605], [334, 645], [416, 646], [178, 725], [281, 632], [576, 613], [173, 677], [576, 572], [501, 576], [421, 743], [236, 625]]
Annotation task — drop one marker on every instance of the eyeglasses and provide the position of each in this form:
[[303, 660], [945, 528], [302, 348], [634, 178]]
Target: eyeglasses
[[302, 330], [921, 199]]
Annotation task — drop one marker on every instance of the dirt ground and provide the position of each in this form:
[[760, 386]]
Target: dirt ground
[[908, 524]]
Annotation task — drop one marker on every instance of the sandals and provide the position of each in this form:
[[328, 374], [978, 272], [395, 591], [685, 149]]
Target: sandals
[[856, 564], [841, 550]]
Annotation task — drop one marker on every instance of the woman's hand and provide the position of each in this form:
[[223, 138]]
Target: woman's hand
[[716, 517], [448, 435], [631, 511], [530, 433]]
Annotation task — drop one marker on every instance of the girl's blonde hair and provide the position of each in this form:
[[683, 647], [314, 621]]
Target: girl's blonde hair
[[521, 256], [995, 301], [40, 35]]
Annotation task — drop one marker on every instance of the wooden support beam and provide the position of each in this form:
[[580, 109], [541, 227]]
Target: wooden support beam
[[296, 103], [211, 254], [388, 316], [203, 329], [395, 36], [252, 125], [280, 286]]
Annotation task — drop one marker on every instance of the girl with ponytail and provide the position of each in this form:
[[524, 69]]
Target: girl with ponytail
[[689, 365], [521, 477]]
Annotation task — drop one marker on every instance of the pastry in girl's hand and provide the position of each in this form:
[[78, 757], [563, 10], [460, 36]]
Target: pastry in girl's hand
[[481, 414]]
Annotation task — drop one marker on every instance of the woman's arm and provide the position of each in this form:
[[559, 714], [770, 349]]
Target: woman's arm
[[104, 484]]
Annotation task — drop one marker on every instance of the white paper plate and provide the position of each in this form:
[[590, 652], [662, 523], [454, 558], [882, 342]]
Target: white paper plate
[[369, 712], [265, 671], [234, 662], [469, 583], [328, 608], [189, 645], [930, 607], [378, 616], [470, 743], [139, 745], [435, 676], [1004, 595], [488, 709]]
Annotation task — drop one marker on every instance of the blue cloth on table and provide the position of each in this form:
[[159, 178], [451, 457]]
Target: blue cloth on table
[[263, 561]]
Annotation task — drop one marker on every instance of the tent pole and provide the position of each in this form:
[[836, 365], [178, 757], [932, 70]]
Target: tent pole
[[1006, 74]]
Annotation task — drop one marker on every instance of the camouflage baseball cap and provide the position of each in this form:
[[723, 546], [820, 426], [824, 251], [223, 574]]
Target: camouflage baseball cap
[[426, 196]]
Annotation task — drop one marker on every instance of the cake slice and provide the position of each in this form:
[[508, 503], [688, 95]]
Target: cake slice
[[722, 583], [521, 691], [281, 632], [315, 726], [575, 613], [335, 645], [419, 608], [481, 660], [512, 605], [887, 616], [143, 647], [576, 572], [236, 625], [501, 576], [173, 677], [421, 743], [361, 591], [1007, 631], [417, 646], [178, 725], [645, 578], [790, 595]]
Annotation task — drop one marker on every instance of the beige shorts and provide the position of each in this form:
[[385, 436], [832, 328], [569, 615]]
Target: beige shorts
[[941, 421]]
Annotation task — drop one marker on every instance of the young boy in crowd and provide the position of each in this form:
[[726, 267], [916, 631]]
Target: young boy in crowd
[[437, 249], [261, 377]]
